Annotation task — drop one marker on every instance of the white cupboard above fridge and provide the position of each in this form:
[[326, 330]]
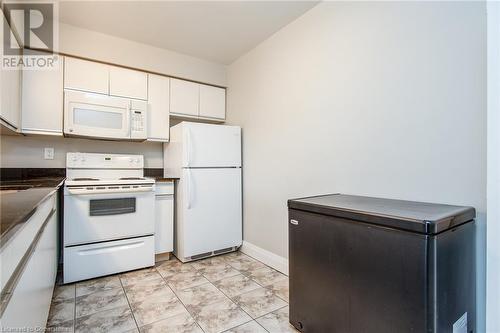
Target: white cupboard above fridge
[[212, 102], [197, 101], [184, 98]]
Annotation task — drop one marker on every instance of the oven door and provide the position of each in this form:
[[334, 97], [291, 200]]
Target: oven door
[[90, 218], [97, 116]]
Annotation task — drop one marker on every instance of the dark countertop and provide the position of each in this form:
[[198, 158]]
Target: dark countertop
[[165, 179], [17, 206]]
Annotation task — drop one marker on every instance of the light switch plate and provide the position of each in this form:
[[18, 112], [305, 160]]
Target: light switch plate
[[48, 153]]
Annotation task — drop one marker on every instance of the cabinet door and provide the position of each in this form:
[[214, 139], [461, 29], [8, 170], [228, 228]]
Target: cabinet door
[[184, 97], [128, 83], [86, 75], [212, 102], [158, 108], [42, 100], [10, 90], [30, 301], [164, 226]]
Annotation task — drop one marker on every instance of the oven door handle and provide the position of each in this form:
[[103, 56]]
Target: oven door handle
[[83, 190], [110, 248]]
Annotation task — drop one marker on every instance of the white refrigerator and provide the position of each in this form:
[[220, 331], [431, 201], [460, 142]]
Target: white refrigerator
[[208, 214]]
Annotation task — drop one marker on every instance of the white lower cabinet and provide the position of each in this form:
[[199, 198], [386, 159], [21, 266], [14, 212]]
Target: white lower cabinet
[[164, 217], [29, 304], [14, 249]]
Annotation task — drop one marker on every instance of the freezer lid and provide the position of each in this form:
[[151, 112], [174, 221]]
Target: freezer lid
[[421, 217]]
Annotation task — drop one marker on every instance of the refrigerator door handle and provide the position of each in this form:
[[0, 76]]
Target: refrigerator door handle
[[188, 147], [188, 188]]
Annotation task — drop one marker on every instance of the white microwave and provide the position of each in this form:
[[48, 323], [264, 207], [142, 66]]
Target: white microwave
[[104, 117]]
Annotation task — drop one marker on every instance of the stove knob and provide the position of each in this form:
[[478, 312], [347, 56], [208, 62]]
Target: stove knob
[[137, 161]]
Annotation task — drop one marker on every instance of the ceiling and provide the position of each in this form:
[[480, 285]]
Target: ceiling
[[219, 31]]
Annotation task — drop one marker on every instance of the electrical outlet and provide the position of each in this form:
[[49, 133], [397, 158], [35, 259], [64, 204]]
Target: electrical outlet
[[48, 153]]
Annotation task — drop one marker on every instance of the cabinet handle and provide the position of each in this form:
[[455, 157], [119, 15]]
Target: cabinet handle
[[294, 222]]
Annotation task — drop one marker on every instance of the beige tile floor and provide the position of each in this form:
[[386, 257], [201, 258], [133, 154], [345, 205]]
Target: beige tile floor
[[228, 293]]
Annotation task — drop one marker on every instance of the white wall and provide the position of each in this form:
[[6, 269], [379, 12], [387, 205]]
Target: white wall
[[27, 152], [493, 245], [94, 45], [385, 99]]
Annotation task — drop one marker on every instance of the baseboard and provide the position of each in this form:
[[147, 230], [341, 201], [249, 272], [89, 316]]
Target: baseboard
[[268, 258]]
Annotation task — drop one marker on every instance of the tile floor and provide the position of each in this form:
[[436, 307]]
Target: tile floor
[[229, 293]]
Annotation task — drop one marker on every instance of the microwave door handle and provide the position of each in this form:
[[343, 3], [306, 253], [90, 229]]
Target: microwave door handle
[[129, 119]]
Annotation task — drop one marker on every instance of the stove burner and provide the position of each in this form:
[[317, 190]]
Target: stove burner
[[132, 178], [83, 179]]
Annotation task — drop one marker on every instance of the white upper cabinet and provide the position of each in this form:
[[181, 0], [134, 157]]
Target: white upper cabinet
[[10, 87], [212, 102], [86, 75], [128, 83], [158, 108], [42, 100], [184, 97], [105, 79]]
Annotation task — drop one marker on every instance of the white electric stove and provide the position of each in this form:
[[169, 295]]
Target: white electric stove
[[108, 215]]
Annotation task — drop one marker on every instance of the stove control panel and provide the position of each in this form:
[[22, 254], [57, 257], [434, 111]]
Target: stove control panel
[[104, 161]]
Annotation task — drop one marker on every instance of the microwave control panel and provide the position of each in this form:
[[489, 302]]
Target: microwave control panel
[[138, 120]]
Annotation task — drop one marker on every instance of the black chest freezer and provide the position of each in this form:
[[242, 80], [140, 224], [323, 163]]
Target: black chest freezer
[[360, 264]]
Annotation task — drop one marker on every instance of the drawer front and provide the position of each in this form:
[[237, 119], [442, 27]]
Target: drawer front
[[30, 301], [164, 188], [89, 261], [14, 249]]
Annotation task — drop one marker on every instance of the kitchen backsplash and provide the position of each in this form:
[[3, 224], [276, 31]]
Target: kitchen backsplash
[[28, 152]]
